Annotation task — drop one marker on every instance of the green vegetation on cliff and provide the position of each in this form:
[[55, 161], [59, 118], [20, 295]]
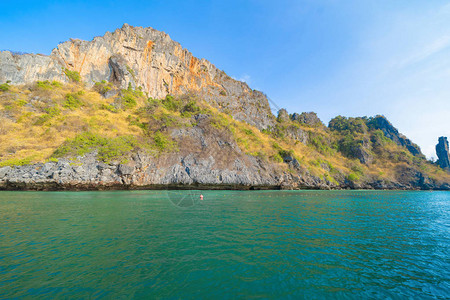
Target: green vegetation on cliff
[[72, 75], [49, 120]]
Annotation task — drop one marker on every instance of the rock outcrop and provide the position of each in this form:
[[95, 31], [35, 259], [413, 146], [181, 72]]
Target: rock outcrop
[[297, 134], [288, 129], [362, 152], [141, 57], [307, 118], [443, 153], [283, 116], [380, 122]]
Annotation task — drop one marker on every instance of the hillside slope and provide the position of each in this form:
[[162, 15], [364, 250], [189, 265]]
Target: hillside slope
[[55, 136], [110, 114]]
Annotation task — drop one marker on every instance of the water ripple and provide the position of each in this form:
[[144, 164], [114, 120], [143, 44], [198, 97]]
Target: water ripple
[[234, 244]]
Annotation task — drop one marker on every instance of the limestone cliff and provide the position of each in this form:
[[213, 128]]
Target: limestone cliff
[[59, 135], [141, 57], [443, 153]]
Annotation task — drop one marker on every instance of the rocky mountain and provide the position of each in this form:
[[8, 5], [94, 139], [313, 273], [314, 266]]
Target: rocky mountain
[[443, 153], [133, 109], [140, 57]]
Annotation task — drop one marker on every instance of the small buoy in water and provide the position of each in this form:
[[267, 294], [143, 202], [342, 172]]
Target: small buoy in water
[[201, 197]]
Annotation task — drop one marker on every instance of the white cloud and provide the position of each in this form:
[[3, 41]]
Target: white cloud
[[426, 51], [245, 78]]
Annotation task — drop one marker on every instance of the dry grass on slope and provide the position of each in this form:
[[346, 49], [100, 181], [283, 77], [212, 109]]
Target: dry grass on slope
[[48, 120]]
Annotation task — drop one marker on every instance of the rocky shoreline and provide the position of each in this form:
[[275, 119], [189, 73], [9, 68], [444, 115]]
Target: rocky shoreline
[[144, 172]]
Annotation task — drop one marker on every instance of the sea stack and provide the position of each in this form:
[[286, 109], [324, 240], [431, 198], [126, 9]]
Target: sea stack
[[442, 152]]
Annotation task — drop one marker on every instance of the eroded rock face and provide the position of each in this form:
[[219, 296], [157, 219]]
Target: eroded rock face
[[443, 153], [362, 152], [27, 68], [380, 122], [297, 134], [142, 57]]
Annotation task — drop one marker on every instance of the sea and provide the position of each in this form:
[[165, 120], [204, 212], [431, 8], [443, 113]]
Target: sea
[[230, 245]]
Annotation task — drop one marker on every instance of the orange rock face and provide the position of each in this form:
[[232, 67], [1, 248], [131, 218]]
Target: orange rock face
[[147, 58]]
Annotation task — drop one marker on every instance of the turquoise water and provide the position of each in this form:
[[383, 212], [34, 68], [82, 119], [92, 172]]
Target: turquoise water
[[233, 244]]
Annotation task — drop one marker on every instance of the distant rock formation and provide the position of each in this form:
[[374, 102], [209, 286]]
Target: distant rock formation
[[443, 153], [380, 122], [141, 57]]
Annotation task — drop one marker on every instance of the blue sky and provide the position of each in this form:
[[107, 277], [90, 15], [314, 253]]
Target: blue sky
[[351, 58]]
